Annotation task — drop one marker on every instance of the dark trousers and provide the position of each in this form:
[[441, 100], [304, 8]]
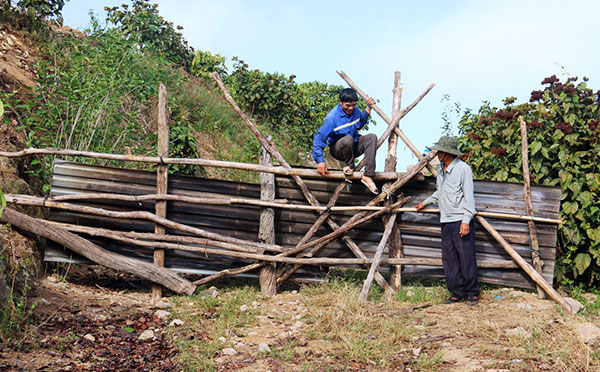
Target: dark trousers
[[345, 150], [458, 257]]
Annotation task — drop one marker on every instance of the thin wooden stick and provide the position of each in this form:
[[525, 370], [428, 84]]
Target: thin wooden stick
[[379, 176], [364, 293], [297, 249], [387, 119], [40, 202], [284, 273], [305, 191], [535, 247], [533, 274]]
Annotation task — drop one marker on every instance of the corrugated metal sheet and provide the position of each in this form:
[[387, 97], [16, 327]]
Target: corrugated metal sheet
[[420, 232]]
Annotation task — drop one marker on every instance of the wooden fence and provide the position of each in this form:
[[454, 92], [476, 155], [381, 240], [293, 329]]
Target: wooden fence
[[420, 232]]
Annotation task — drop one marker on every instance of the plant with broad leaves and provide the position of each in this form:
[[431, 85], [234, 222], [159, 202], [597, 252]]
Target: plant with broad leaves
[[564, 149]]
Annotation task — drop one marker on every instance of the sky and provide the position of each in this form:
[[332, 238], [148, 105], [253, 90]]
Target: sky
[[473, 50]]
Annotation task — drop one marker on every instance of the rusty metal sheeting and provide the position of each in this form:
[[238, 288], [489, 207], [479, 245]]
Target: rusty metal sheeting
[[420, 232]]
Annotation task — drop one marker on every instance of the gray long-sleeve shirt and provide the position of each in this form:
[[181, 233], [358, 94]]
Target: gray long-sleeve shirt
[[454, 193]]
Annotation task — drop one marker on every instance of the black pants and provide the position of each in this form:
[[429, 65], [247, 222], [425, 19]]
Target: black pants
[[345, 150], [458, 257]]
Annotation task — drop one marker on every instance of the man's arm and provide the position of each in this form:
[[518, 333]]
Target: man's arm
[[319, 144], [364, 116], [469, 206]]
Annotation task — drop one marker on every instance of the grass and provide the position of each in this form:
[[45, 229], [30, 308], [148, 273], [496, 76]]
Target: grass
[[409, 330]]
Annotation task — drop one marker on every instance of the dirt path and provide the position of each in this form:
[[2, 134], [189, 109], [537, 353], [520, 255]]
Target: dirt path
[[95, 321]]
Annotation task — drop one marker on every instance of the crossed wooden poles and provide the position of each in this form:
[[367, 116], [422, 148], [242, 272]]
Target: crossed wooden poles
[[393, 132]]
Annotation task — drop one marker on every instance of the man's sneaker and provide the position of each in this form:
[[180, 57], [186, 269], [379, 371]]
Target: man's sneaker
[[453, 300], [472, 300]]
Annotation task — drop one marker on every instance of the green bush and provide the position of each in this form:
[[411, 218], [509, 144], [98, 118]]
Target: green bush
[[564, 149]]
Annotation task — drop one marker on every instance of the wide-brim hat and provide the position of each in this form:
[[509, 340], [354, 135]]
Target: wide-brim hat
[[448, 145]]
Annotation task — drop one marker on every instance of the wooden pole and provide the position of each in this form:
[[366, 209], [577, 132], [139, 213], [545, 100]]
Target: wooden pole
[[379, 176], [537, 278], [535, 247], [162, 178], [57, 201], [266, 230], [180, 239], [305, 191], [95, 253], [387, 119], [395, 242], [364, 293]]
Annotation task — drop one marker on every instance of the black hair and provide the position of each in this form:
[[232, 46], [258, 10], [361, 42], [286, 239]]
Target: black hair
[[348, 95]]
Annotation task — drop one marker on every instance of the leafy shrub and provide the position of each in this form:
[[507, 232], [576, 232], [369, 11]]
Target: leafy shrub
[[564, 149], [151, 32]]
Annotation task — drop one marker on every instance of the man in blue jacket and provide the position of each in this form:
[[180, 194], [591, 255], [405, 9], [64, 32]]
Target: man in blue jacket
[[340, 131]]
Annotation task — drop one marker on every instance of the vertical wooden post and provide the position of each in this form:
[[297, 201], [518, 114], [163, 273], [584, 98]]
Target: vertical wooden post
[[395, 243], [266, 230], [535, 247], [162, 173]]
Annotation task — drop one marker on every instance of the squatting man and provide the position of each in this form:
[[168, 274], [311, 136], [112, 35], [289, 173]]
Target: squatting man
[[340, 131]]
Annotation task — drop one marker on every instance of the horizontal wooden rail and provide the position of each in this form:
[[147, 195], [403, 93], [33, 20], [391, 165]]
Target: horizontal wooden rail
[[379, 176]]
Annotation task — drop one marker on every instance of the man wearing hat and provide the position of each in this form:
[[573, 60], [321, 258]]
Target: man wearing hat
[[454, 195]]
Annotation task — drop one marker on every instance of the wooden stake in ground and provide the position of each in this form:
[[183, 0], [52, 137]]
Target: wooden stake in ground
[[364, 293], [395, 241], [535, 247], [99, 255], [537, 278], [162, 178], [266, 229]]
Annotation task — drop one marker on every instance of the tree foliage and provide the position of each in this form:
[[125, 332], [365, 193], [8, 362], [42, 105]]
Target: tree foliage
[[564, 149], [151, 31]]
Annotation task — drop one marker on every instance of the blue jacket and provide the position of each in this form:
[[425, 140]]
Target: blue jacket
[[336, 125]]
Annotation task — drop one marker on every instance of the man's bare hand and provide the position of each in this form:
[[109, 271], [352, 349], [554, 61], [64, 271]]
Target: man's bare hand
[[322, 169], [370, 102], [419, 206], [464, 229]]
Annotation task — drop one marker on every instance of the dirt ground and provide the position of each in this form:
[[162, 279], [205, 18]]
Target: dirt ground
[[92, 320]]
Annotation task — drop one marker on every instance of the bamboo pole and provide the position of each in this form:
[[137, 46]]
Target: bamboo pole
[[535, 247], [40, 202], [364, 293], [395, 244], [97, 254], [283, 171], [162, 179], [17, 198], [387, 119], [537, 278], [305, 191]]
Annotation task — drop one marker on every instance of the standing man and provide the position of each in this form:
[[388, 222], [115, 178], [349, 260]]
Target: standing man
[[340, 131], [455, 197]]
